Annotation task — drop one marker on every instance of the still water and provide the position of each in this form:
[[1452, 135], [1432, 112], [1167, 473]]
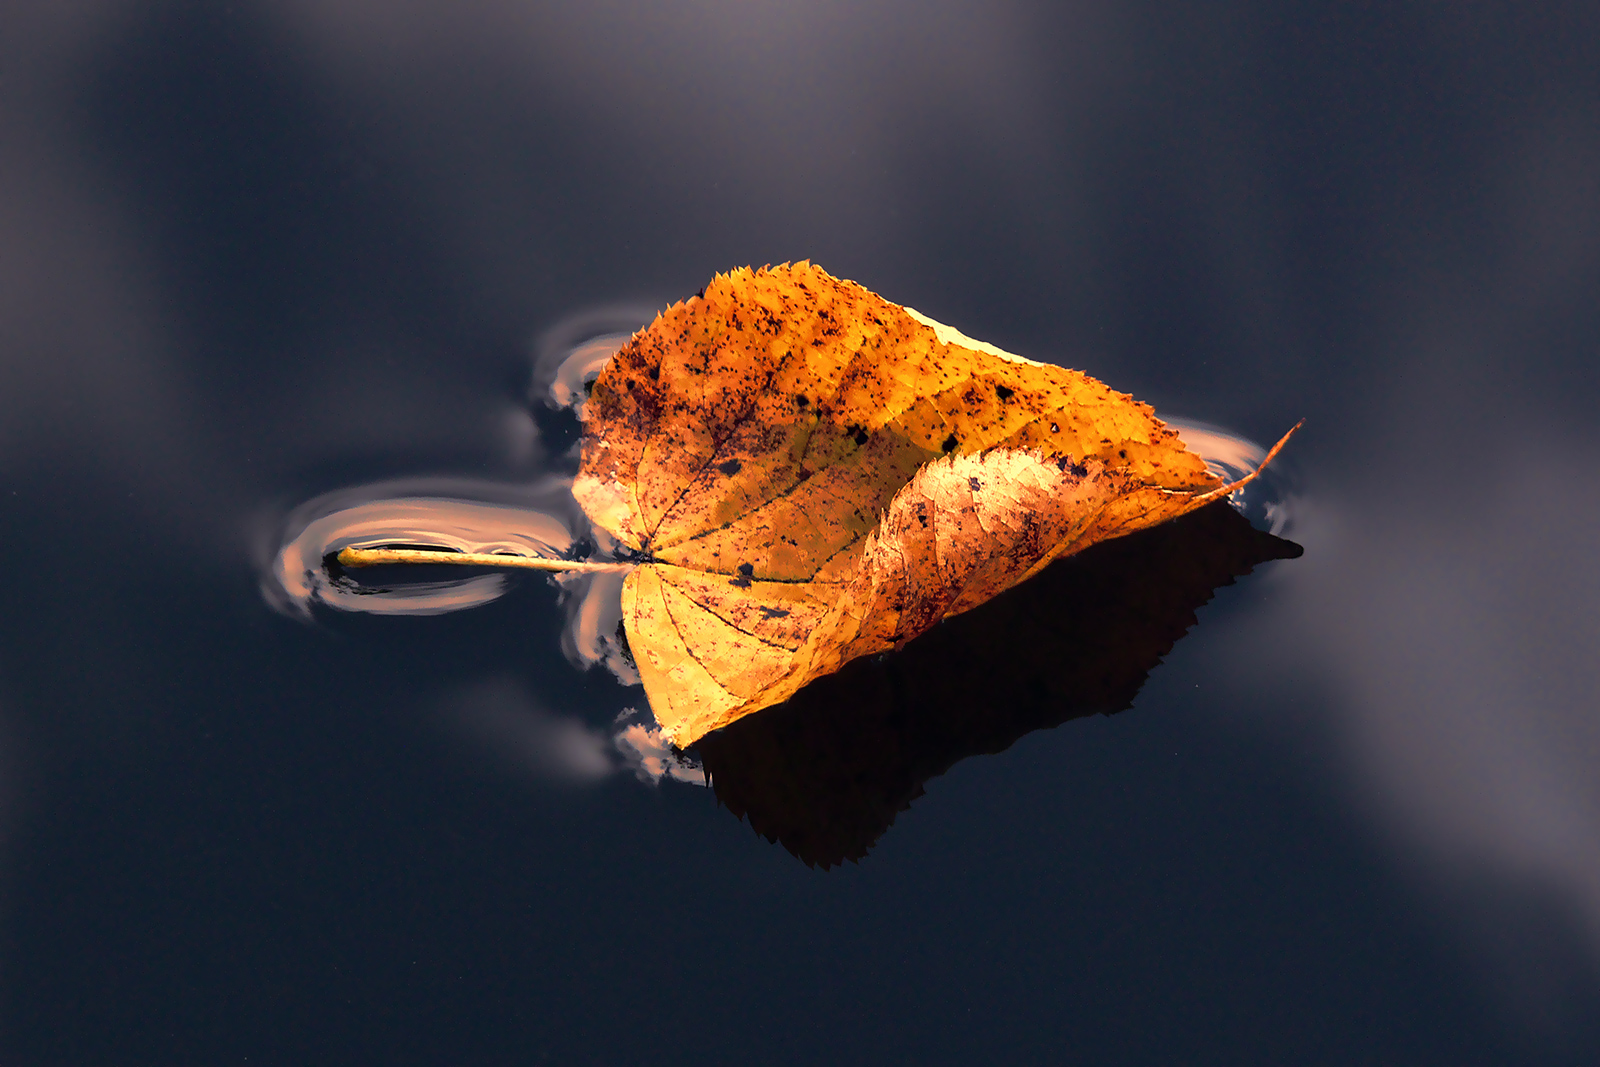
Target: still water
[[286, 277]]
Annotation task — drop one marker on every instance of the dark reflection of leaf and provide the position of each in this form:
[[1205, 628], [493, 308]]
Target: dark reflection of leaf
[[827, 772]]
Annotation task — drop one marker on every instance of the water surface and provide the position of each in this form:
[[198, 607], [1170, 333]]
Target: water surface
[[269, 264]]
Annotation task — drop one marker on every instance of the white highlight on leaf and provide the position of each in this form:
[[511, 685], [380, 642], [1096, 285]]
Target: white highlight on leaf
[[951, 336]]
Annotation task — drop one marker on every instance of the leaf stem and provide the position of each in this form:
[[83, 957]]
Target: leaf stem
[[1223, 491], [370, 557]]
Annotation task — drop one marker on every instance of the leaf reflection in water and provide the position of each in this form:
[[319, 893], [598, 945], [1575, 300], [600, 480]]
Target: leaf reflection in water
[[827, 772]]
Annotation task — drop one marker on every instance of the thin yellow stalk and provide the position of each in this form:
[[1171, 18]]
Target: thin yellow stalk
[[1219, 493], [370, 557]]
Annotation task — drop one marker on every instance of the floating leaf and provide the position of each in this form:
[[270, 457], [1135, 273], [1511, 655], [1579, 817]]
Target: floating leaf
[[808, 474]]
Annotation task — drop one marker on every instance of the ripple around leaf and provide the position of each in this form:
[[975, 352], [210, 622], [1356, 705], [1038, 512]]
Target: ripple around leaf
[[827, 772]]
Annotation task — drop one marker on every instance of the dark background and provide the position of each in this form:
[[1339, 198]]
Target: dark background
[[254, 253]]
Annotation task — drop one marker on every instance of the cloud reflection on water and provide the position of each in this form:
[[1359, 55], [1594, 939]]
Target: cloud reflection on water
[[499, 715], [651, 755], [1471, 673]]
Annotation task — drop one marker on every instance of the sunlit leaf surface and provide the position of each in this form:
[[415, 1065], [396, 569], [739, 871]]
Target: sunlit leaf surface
[[809, 474]]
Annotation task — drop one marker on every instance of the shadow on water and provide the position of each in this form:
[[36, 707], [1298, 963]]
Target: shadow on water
[[827, 773]]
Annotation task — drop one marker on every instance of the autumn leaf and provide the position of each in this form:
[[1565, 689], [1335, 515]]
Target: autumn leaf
[[807, 474]]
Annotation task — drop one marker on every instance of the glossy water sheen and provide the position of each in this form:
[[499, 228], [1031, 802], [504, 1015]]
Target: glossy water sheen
[[279, 277]]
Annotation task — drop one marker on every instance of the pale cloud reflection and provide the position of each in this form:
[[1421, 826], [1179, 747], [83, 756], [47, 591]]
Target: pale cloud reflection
[[501, 717], [1465, 681], [649, 753], [85, 348], [773, 76]]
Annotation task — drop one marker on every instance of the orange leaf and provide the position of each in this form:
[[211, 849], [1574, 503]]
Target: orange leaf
[[809, 474]]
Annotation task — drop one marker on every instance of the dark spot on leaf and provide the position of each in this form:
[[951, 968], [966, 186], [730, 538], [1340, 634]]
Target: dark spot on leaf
[[974, 484], [950, 443], [802, 401], [1064, 464], [746, 569], [1055, 428], [1122, 453], [730, 468], [1004, 393], [655, 373], [773, 613], [857, 432]]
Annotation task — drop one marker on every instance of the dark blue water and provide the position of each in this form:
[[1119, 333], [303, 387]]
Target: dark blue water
[[257, 255]]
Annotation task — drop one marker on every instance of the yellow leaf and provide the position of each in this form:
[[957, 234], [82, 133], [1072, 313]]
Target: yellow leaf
[[810, 474]]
